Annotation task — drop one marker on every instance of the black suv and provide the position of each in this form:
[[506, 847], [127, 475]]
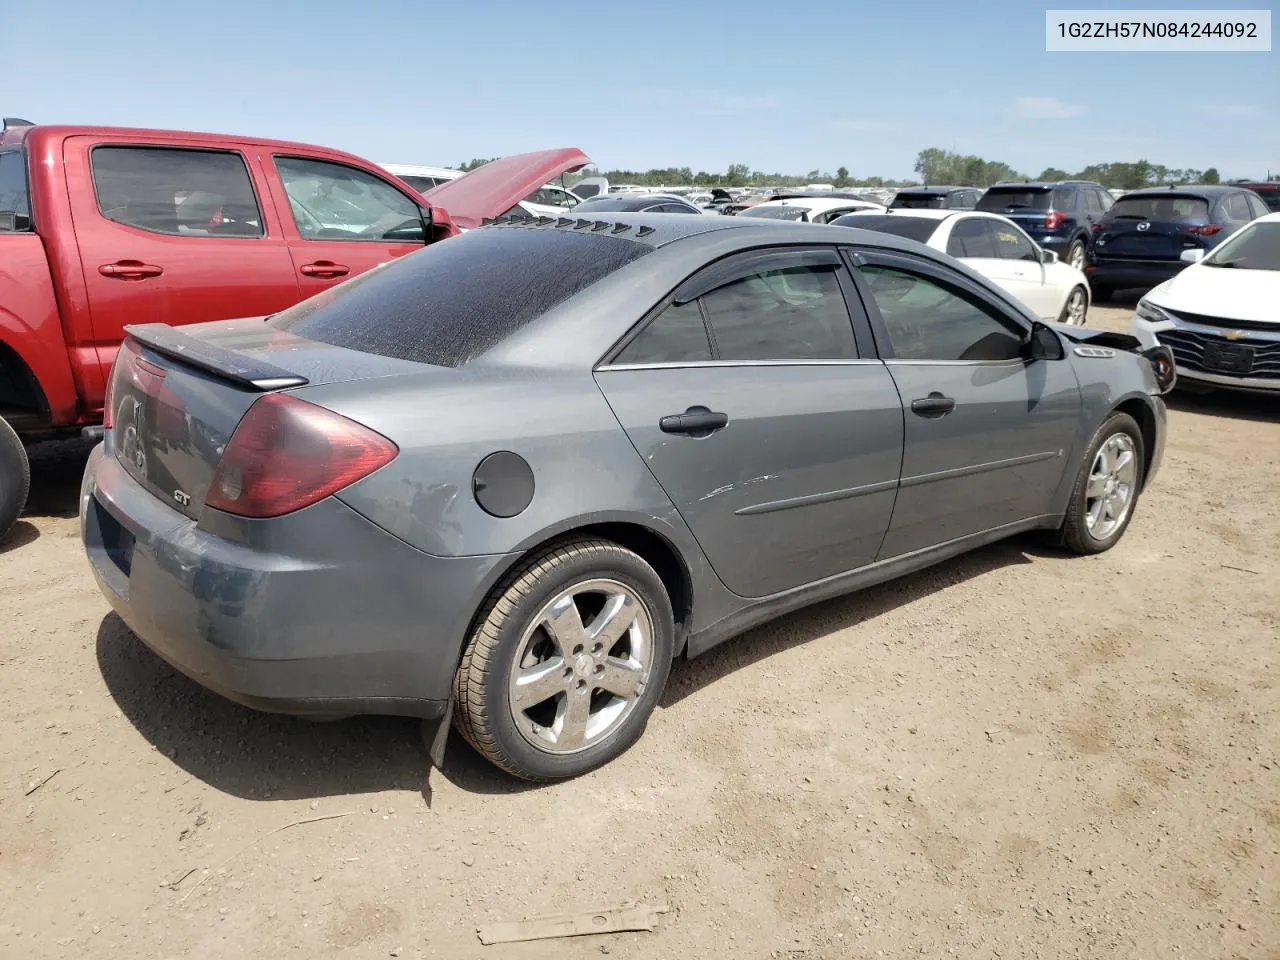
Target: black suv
[[935, 198], [1059, 216]]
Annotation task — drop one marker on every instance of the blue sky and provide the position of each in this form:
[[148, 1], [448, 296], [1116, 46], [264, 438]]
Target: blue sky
[[698, 83]]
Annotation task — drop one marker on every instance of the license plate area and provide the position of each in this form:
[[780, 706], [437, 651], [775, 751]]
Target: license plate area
[[1228, 357]]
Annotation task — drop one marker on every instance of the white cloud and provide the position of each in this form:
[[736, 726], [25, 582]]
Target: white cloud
[[1044, 108]]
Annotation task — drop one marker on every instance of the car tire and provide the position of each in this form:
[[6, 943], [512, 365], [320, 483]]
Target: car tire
[[537, 634], [1069, 308], [15, 477], [1107, 487], [1075, 255]]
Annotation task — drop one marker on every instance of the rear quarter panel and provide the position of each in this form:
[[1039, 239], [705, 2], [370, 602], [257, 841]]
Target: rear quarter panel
[[585, 470]]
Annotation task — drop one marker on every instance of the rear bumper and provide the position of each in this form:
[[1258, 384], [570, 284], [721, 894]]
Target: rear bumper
[[320, 613], [1122, 274]]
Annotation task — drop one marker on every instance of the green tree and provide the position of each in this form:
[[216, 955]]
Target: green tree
[[842, 177], [1211, 176], [1053, 173], [739, 175]]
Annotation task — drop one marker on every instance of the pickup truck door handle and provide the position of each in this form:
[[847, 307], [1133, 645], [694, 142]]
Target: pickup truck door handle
[[694, 422], [324, 269], [933, 406], [130, 270]]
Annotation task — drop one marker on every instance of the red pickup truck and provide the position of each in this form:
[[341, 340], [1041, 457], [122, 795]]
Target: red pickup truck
[[103, 227]]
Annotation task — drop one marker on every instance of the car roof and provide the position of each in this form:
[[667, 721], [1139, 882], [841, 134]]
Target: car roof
[[634, 201], [935, 189], [1191, 189], [660, 230]]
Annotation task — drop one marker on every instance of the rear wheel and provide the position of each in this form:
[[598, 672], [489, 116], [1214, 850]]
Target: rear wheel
[[1074, 310], [15, 477], [1075, 255], [572, 653], [1106, 488]]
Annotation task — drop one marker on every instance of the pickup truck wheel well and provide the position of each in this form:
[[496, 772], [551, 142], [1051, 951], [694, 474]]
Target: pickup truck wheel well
[[22, 402]]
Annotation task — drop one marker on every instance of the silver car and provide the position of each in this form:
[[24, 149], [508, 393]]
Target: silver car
[[508, 479]]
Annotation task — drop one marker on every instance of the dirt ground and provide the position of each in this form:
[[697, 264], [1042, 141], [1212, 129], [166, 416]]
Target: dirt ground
[[1015, 754]]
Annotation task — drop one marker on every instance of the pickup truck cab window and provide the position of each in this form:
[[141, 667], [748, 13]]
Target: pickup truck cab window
[[182, 192], [331, 201], [15, 202]]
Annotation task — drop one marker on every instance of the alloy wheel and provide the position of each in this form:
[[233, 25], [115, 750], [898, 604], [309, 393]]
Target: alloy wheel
[[581, 666], [1112, 485]]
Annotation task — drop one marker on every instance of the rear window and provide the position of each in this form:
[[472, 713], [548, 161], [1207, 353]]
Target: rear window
[[15, 204], [913, 228], [781, 212], [458, 298], [919, 201], [1160, 207], [1000, 199]]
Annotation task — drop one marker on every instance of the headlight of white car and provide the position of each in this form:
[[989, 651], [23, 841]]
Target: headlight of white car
[[1149, 312]]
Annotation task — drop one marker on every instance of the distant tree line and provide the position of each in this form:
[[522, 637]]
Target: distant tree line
[[933, 165]]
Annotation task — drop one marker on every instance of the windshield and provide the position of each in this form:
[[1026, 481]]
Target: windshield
[[1160, 207], [450, 302], [1256, 247], [913, 228], [1000, 199], [777, 213]]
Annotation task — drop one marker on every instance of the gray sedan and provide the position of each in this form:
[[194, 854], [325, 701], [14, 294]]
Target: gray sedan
[[510, 478]]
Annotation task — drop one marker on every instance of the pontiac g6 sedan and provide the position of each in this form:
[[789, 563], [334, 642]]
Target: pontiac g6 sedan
[[510, 478]]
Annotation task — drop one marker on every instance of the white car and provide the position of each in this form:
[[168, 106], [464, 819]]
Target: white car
[[997, 248], [810, 209], [1221, 315], [550, 200]]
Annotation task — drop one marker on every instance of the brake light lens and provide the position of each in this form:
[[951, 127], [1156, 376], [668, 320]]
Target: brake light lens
[[1053, 219], [1208, 230], [287, 454], [108, 401]]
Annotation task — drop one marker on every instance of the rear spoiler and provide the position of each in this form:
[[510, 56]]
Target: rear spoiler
[[241, 370]]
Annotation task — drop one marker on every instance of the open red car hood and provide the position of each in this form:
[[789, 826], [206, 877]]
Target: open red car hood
[[496, 187]]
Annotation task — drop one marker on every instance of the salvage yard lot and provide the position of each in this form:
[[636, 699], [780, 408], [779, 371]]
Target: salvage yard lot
[[1016, 753]]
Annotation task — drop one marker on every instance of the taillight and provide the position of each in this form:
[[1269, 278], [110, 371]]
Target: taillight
[[1053, 219], [108, 401], [1208, 230], [1096, 228], [287, 454]]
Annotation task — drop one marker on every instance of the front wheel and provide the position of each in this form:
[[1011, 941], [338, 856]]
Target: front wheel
[[572, 653], [15, 477], [1075, 308], [1106, 487]]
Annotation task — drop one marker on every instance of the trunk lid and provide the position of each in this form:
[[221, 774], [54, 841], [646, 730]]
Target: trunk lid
[[177, 396], [493, 189]]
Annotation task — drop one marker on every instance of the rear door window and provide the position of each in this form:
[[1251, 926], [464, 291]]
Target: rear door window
[[15, 202], [794, 313], [1012, 243], [331, 201], [170, 190], [1256, 206], [1237, 208], [677, 335]]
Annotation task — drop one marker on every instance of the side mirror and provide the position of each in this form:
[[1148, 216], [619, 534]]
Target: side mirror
[[1194, 255], [1048, 256], [1045, 344]]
